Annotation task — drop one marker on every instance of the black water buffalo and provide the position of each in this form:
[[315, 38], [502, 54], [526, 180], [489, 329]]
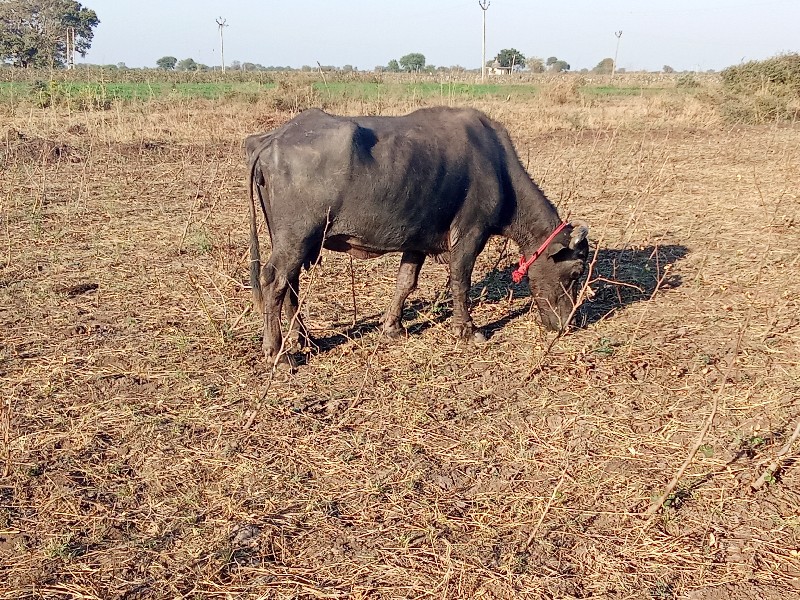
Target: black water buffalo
[[437, 182]]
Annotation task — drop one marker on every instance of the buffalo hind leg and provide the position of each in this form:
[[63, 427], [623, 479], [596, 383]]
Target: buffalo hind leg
[[297, 337], [274, 283], [407, 275], [462, 261]]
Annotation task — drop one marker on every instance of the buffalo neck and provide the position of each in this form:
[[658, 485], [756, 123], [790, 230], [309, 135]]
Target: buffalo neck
[[533, 217]]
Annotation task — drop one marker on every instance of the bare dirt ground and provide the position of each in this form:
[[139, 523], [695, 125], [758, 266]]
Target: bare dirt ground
[[130, 364]]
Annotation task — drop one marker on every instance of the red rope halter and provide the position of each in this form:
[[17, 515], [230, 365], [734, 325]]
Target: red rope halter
[[522, 269]]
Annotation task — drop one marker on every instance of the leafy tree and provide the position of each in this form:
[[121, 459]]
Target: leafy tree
[[560, 66], [187, 64], [510, 57], [604, 67], [412, 62], [551, 60], [535, 64], [668, 69], [393, 66], [33, 33], [167, 63]]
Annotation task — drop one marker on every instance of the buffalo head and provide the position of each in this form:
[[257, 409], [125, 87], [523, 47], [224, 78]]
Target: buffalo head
[[554, 276]]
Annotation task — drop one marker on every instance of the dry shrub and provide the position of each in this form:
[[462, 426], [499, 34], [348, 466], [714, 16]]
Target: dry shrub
[[749, 77], [294, 95], [687, 80], [763, 107], [762, 91], [564, 90]]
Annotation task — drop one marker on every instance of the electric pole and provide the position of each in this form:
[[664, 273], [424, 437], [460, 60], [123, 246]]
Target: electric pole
[[222, 23], [484, 4], [616, 53]]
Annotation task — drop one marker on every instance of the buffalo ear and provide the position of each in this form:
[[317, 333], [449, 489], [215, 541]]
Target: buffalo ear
[[580, 231]]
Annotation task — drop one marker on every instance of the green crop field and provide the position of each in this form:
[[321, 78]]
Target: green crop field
[[142, 91], [103, 88], [131, 91]]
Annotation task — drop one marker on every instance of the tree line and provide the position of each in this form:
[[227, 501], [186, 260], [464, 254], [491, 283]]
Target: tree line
[[44, 33], [509, 59]]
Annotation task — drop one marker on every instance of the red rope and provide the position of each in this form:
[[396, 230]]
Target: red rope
[[524, 265]]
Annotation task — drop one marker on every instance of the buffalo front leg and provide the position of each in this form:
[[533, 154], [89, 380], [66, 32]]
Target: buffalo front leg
[[461, 265], [407, 275]]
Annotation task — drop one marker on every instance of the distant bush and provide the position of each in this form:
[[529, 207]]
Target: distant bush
[[762, 91], [753, 76], [564, 89], [687, 80], [294, 94]]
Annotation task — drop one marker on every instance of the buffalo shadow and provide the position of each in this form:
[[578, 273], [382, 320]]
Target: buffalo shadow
[[625, 276], [620, 277]]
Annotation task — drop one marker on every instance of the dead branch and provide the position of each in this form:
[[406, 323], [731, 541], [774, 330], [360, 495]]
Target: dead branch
[[773, 466]]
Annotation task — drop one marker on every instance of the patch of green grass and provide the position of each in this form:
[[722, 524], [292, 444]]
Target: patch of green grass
[[367, 90], [134, 91], [13, 91], [606, 347], [142, 91], [359, 90], [613, 90], [64, 547]]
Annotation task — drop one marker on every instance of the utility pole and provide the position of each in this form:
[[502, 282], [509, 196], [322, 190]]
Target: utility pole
[[222, 23], [616, 53], [484, 4]]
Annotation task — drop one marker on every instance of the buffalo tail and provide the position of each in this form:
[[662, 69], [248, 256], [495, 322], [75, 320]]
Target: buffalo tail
[[255, 250]]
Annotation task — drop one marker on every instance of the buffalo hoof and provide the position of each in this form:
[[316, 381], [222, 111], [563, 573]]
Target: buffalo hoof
[[470, 334], [284, 366], [296, 342], [393, 332], [478, 338], [392, 328]]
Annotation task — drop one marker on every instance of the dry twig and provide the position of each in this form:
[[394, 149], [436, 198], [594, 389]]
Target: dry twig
[[773, 466], [701, 437]]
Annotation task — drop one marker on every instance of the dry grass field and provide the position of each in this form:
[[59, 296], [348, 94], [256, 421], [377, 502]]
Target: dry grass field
[[145, 453]]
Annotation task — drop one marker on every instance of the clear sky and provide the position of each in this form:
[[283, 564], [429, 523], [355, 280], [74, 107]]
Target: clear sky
[[685, 34]]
